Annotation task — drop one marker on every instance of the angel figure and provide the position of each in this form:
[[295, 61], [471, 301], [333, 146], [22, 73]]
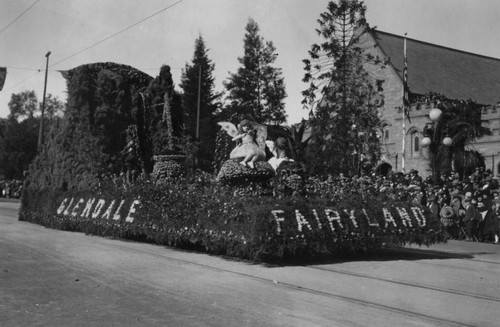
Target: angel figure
[[251, 141]]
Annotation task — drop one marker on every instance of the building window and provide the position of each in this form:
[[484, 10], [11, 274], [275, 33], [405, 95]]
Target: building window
[[415, 144], [386, 134]]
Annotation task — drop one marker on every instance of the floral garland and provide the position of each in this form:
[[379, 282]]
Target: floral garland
[[167, 118]]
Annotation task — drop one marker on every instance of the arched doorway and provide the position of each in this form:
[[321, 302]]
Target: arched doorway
[[383, 169]]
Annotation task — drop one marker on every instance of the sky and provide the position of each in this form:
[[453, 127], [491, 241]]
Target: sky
[[78, 32]]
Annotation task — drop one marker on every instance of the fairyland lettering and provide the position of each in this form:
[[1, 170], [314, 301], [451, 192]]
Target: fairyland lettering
[[336, 220]]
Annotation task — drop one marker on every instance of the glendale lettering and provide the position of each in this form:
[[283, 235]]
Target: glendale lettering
[[93, 208]]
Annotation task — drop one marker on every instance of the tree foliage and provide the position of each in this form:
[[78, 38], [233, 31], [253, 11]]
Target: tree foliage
[[198, 77], [18, 147], [19, 132], [345, 123], [23, 105], [257, 89]]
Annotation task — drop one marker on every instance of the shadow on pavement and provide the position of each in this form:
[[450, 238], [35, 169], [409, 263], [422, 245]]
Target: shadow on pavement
[[13, 200], [386, 254]]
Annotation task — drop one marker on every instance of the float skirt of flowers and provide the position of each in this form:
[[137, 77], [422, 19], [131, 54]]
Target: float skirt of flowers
[[241, 223]]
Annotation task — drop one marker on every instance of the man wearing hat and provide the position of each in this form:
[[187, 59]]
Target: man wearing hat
[[468, 196], [491, 224], [470, 219]]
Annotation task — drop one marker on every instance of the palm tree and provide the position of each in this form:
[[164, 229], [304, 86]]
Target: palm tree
[[458, 125]]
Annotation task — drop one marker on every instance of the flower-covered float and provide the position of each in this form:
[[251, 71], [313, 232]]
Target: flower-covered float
[[258, 205]]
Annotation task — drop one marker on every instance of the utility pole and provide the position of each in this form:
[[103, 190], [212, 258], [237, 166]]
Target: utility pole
[[40, 133]]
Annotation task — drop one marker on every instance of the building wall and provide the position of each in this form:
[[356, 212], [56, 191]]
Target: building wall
[[489, 146], [393, 132]]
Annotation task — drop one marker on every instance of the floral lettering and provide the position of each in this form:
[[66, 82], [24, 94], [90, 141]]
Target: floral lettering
[[388, 218], [301, 221], [129, 218], [74, 213], [352, 217], [279, 219], [66, 212], [332, 216], [98, 208], [371, 220], [88, 207], [419, 215], [117, 215], [107, 213], [61, 208], [405, 218], [315, 213]]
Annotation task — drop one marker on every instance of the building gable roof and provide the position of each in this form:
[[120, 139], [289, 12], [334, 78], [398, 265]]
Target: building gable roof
[[432, 68]]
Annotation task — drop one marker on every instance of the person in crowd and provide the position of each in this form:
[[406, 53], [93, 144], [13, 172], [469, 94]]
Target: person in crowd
[[446, 215], [469, 219], [458, 214], [434, 206], [467, 199], [482, 210], [491, 223]]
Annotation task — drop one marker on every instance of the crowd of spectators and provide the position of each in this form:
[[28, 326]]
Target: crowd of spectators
[[11, 188], [468, 207]]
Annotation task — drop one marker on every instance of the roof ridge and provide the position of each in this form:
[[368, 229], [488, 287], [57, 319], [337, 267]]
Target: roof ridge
[[437, 45]]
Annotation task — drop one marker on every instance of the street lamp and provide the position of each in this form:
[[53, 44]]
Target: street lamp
[[435, 115], [435, 130], [447, 141]]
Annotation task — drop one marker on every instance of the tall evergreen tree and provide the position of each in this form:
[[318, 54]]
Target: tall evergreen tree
[[197, 83], [345, 121], [257, 89]]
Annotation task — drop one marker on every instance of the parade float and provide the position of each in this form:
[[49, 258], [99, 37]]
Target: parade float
[[258, 205]]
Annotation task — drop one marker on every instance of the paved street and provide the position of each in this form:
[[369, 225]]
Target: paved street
[[57, 278]]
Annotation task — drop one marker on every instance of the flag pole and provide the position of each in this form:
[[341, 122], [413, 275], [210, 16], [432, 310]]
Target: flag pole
[[403, 150]]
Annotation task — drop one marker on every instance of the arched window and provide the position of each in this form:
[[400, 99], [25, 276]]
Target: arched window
[[386, 127], [415, 144]]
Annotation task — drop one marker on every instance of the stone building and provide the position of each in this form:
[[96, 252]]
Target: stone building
[[456, 74]]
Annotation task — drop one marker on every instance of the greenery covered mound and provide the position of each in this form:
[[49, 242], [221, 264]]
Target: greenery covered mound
[[254, 222], [232, 172]]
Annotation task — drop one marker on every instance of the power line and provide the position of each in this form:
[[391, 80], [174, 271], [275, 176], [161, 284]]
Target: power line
[[91, 46], [24, 80], [115, 34], [24, 68], [15, 19]]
